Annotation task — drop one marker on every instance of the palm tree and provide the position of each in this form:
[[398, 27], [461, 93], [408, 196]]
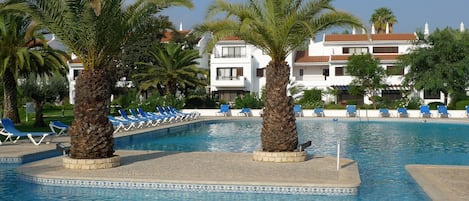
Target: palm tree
[[277, 27], [23, 51], [95, 31], [382, 17], [172, 68]]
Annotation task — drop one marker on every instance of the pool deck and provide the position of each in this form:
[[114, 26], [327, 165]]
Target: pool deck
[[225, 172], [442, 182]]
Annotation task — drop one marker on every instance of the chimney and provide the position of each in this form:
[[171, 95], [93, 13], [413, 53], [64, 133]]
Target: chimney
[[373, 31], [426, 30], [353, 30], [387, 28], [180, 26], [461, 27]]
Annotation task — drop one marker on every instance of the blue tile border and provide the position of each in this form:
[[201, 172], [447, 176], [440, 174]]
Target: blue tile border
[[11, 160], [30, 157], [191, 187]]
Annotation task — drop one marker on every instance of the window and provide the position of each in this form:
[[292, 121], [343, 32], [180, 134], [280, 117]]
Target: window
[[391, 95], [301, 72], [260, 72], [325, 72], [339, 71], [229, 73], [233, 52], [395, 70], [428, 94], [385, 49], [76, 73], [355, 50]]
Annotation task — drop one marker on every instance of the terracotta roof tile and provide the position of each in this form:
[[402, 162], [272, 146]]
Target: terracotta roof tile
[[231, 38], [302, 56], [339, 57], [378, 56], [168, 35], [75, 60], [364, 37], [386, 56]]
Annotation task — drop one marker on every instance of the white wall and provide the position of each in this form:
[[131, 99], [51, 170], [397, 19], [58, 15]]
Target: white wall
[[337, 113]]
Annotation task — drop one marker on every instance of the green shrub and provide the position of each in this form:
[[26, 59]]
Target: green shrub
[[311, 99], [461, 105], [413, 103], [334, 106], [433, 105], [248, 100], [199, 102]]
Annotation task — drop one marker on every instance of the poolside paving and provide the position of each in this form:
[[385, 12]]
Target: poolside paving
[[442, 182], [207, 168]]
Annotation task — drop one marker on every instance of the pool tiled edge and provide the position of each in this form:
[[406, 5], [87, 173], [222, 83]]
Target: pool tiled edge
[[202, 172], [192, 187], [30, 157]]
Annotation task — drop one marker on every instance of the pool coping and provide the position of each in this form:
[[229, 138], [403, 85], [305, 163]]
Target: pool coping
[[442, 182], [203, 171]]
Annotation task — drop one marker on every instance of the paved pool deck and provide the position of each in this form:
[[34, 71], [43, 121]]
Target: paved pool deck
[[442, 182], [226, 172]]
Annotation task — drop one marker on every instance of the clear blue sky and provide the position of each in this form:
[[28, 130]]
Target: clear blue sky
[[411, 14]]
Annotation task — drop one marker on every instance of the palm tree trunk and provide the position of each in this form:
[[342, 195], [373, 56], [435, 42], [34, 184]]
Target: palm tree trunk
[[91, 132], [279, 126], [10, 101], [39, 121]]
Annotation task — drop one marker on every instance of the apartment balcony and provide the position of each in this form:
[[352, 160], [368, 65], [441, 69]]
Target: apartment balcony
[[230, 60], [229, 81]]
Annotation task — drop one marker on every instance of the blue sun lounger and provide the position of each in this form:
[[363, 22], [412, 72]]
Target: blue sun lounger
[[298, 111], [425, 111], [58, 127], [402, 111], [351, 110], [443, 111], [319, 112], [245, 112], [384, 112], [224, 109], [10, 131]]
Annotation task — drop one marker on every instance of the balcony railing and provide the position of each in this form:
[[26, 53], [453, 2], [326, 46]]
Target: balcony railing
[[229, 81]]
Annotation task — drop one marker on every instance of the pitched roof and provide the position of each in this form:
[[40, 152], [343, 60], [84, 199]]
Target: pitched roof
[[302, 56], [364, 37], [377, 56], [168, 35]]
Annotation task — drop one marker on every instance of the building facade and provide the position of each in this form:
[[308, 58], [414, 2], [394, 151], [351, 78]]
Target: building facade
[[237, 68]]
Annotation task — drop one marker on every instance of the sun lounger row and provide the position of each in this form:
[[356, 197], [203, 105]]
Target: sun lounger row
[[139, 118], [351, 111]]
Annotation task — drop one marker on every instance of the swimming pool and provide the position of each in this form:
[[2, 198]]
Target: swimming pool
[[382, 149]]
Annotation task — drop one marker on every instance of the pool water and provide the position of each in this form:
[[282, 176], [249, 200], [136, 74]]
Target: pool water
[[382, 149]]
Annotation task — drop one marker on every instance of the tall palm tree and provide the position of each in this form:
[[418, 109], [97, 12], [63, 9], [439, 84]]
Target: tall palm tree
[[172, 68], [95, 31], [277, 27], [382, 17], [22, 51]]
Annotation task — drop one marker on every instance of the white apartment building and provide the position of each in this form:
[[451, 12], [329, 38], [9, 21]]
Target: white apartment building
[[237, 68], [75, 65]]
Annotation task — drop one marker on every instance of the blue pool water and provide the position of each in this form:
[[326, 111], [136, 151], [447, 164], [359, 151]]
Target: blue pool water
[[382, 149]]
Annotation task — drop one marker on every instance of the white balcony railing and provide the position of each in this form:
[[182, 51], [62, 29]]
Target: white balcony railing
[[238, 81]]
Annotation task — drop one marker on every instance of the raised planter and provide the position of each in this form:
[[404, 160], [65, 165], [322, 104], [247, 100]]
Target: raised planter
[[279, 157], [91, 164]]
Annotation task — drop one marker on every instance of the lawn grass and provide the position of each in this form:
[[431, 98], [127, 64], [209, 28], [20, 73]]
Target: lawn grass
[[49, 115]]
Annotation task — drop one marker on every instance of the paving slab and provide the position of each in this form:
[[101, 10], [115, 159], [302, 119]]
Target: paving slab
[[206, 168], [442, 182]]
